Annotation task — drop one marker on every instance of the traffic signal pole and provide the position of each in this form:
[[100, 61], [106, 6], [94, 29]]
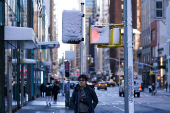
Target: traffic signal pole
[[81, 43], [128, 57]]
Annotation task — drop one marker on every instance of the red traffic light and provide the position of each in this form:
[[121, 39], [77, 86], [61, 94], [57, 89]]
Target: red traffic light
[[88, 58], [122, 63]]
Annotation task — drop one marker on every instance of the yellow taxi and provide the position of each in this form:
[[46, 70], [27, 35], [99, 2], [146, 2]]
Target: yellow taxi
[[102, 85]]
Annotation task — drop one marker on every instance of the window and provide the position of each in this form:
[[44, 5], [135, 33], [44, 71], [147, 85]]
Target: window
[[153, 34], [153, 51], [122, 6], [158, 8]]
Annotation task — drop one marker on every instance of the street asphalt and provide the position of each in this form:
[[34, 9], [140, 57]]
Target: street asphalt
[[109, 102]]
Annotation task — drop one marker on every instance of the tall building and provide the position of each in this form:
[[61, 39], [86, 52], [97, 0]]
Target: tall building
[[116, 17], [104, 18], [53, 36], [90, 10], [153, 17]]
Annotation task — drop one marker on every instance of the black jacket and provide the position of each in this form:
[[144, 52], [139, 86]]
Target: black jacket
[[42, 88], [48, 90], [55, 89], [91, 96]]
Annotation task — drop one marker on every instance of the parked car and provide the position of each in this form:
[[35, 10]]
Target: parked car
[[90, 85], [73, 84], [102, 85], [137, 89]]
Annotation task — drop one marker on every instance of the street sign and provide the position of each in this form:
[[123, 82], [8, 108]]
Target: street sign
[[140, 66]]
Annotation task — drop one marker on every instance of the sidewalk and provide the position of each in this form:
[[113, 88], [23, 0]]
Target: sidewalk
[[39, 106], [159, 91]]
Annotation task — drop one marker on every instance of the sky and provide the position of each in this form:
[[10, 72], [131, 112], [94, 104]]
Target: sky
[[64, 5]]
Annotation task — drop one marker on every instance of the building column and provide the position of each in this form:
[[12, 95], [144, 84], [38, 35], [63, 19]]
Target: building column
[[9, 84], [2, 56], [169, 75], [2, 76]]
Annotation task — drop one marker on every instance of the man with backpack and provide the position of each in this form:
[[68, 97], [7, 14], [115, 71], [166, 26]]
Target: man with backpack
[[84, 98]]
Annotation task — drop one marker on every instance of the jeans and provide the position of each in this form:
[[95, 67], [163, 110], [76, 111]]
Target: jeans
[[48, 99]]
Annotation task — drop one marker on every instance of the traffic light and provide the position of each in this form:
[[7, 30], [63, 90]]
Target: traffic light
[[161, 61], [88, 58], [67, 69], [91, 61], [122, 63]]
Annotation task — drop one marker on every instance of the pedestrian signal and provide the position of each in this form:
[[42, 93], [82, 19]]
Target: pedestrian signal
[[99, 34]]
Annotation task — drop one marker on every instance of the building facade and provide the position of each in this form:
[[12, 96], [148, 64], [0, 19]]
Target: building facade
[[116, 17], [149, 14], [20, 71]]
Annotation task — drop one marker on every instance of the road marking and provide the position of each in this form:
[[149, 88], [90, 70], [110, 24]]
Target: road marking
[[119, 108]]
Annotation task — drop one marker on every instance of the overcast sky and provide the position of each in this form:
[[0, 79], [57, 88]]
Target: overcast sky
[[64, 5]]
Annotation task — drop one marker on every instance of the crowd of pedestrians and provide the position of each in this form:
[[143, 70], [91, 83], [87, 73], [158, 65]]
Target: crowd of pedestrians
[[51, 91]]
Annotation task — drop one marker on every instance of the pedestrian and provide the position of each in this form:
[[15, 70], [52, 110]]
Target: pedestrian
[[56, 89], [142, 85], [42, 89], [48, 91], [83, 96], [153, 88], [166, 86]]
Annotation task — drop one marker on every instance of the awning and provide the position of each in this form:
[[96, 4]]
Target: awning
[[48, 45], [39, 69], [46, 63], [151, 73], [24, 35], [24, 61]]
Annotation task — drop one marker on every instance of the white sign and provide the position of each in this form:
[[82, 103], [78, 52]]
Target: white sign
[[69, 55]]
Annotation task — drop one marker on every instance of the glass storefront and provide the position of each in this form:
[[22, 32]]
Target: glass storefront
[[11, 20], [10, 68]]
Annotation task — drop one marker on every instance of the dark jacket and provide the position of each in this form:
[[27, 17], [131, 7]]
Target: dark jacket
[[42, 88], [91, 96], [55, 89], [48, 90], [153, 87]]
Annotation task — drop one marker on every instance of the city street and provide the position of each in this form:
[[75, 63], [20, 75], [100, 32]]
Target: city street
[[110, 102]]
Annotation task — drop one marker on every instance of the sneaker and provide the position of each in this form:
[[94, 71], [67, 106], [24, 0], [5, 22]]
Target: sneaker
[[49, 104]]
